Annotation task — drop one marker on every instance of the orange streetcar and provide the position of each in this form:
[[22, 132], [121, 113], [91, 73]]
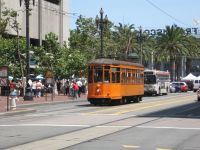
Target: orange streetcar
[[112, 80]]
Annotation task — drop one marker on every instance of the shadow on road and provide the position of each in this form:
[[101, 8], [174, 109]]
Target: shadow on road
[[191, 110]]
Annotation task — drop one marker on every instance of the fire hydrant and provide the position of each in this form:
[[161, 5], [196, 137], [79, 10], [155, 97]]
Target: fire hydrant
[[13, 98]]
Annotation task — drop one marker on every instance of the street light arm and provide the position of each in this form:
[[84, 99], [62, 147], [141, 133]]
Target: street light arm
[[97, 21], [106, 19]]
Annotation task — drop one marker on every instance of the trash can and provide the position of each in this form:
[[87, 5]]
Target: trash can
[[5, 91]]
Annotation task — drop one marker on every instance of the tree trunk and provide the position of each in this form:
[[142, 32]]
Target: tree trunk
[[172, 71], [188, 65], [18, 52]]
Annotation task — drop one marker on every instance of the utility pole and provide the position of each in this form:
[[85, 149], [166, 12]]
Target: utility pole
[[0, 9], [100, 24], [0, 13], [141, 42], [61, 23], [40, 22], [28, 95]]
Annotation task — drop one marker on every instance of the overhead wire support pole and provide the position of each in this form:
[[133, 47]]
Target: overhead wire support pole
[[100, 24], [28, 95], [140, 41]]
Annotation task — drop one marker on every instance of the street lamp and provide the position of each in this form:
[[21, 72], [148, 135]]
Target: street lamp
[[141, 37], [27, 3], [100, 24]]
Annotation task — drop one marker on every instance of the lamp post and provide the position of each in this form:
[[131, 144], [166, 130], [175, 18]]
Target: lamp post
[[27, 3], [100, 25], [141, 37]]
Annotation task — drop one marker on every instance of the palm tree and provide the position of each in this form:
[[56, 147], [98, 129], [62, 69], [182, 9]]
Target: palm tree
[[193, 46], [125, 37], [172, 45]]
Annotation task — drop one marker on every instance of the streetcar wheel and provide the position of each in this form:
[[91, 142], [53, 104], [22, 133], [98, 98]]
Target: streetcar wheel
[[140, 99], [121, 101], [137, 100], [125, 101]]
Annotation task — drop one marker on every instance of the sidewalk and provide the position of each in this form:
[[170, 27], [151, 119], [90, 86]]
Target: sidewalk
[[35, 101]]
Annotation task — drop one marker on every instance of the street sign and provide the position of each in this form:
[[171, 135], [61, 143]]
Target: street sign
[[3, 82], [49, 74]]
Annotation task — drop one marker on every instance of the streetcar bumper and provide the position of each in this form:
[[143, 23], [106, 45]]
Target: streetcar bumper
[[198, 96], [99, 100]]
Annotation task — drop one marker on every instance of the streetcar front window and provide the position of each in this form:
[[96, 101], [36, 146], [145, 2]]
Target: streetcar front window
[[149, 79], [90, 74], [98, 74]]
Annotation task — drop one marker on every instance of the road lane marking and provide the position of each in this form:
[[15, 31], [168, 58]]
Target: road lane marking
[[179, 128], [69, 139], [135, 105], [43, 125], [151, 106], [130, 146], [111, 126], [162, 149]]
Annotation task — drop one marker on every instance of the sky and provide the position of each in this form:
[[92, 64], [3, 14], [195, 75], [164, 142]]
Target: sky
[[150, 14]]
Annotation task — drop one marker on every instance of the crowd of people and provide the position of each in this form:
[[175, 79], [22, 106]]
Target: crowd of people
[[73, 88]]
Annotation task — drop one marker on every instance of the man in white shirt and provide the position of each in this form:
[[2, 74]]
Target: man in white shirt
[[79, 83]]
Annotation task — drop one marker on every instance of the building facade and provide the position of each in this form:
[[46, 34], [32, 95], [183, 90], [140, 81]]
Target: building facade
[[45, 16]]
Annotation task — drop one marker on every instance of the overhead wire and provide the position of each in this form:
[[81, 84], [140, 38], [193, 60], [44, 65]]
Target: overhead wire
[[166, 13], [55, 10]]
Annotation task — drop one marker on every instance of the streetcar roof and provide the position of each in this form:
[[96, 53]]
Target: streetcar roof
[[156, 71], [106, 61]]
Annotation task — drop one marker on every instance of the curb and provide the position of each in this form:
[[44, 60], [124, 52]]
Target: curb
[[17, 112], [21, 108], [49, 103]]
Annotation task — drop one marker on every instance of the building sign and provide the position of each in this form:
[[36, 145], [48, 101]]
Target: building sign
[[3, 82], [188, 31], [3, 75], [49, 77], [4, 72]]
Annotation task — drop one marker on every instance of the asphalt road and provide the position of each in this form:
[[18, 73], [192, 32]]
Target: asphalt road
[[170, 122]]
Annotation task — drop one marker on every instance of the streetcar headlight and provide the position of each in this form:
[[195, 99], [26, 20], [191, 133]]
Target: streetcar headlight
[[98, 90]]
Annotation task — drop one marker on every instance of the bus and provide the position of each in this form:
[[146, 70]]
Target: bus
[[156, 82], [112, 80]]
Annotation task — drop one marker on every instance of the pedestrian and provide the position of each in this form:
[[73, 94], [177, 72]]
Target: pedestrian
[[38, 88], [58, 84], [79, 83], [12, 85], [71, 90], [66, 88], [18, 88], [34, 88], [75, 88]]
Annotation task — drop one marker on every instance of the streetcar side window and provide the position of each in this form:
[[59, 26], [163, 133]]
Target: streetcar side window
[[90, 77], [124, 76], [115, 75], [106, 74], [98, 74]]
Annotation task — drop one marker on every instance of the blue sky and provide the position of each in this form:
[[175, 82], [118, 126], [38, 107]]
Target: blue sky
[[150, 14]]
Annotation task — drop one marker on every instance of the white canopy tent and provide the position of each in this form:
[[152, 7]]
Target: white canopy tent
[[190, 76]]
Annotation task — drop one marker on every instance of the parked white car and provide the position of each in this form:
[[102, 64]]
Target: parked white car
[[196, 85], [198, 95]]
